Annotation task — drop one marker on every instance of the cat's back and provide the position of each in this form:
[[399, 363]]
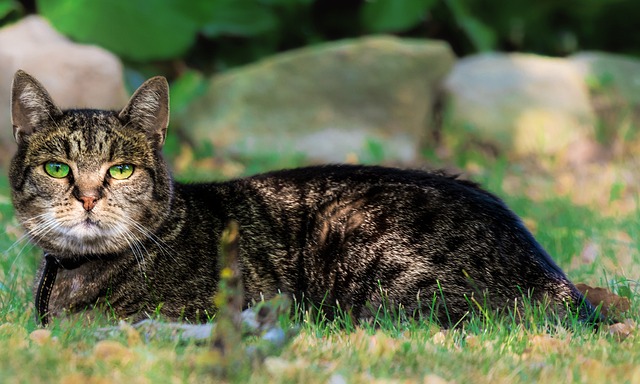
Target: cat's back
[[416, 210], [331, 174], [312, 186]]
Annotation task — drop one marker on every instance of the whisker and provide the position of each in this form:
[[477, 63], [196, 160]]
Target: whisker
[[41, 229], [161, 244], [15, 243], [137, 248]]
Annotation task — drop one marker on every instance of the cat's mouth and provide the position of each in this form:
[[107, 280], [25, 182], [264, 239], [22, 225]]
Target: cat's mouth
[[90, 235], [87, 229], [90, 223]]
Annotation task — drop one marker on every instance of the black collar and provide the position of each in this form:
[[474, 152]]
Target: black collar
[[45, 286]]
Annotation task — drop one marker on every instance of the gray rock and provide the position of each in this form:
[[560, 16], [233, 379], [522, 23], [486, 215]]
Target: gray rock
[[327, 101], [520, 104], [76, 75], [614, 85]]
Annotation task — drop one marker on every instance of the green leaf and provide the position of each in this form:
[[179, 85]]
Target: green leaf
[[241, 18], [393, 15], [375, 150], [287, 3], [186, 88], [8, 6], [625, 291], [137, 30], [482, 37]]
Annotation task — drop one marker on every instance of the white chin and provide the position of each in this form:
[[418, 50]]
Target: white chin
[[94, 246], [90, 238]]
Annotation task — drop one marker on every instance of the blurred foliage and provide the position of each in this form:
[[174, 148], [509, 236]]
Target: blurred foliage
[[10, 10], [385, 15], [135, 30], [171, 36]]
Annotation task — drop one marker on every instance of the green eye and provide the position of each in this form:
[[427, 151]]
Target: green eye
[[57, 170], [121, 171]]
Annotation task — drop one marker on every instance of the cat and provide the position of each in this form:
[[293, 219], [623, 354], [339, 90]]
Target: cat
[[91, 188]]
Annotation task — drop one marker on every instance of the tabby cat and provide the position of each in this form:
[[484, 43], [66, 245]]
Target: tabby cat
[[91, 189]]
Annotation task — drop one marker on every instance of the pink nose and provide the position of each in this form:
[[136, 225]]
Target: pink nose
[[88, 202]]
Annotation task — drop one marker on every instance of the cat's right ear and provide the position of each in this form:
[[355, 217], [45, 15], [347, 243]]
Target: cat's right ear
[[148, 109], [31, 105]]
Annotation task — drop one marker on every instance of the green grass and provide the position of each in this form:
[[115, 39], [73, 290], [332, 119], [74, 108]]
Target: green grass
[[486, 349]]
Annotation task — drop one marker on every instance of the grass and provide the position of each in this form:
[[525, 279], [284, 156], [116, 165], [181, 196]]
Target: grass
[[484, 350]]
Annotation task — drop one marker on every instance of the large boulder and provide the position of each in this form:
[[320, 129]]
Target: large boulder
[[520, 104], [76, 75], [329, 101]]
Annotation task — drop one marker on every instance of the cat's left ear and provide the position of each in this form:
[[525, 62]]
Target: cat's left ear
[[31, 105], [148, 109]]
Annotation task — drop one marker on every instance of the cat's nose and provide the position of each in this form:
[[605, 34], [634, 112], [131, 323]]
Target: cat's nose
[[87, 196], [88, 202]]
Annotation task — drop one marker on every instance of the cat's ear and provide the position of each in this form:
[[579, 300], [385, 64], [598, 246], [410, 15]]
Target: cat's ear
[[31, 105], [148, 109]]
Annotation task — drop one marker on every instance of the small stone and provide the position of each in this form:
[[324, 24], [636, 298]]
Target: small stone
[[277, 366], [112, 351], [434, 379], [439, 338], [337, 378], [622, 331], [40, 336]]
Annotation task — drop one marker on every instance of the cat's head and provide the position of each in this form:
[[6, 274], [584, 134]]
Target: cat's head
[[89, 181]]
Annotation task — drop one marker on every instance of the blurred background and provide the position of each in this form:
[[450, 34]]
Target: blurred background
[[214, 35], [537, 100], [284, 82]]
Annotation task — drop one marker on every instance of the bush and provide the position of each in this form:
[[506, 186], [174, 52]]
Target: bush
[[213, 35]]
